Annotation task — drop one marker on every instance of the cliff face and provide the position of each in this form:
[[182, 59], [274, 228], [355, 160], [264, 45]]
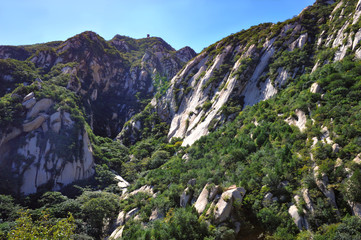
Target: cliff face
[[47, 149], [252, 66]]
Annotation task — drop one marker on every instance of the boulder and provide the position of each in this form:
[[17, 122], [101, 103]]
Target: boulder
[[131, 214], [338, 162], [37, 122], [308, 201], [55, 117], [29, 96], [300, 221], [117, 233], [56, 127], [357, 159], [215, 190], [224, 206], [211, 208], [120, 219], [315, 88], [267, 200], [55, 121], [42, 105], [335, 148], [156, 214], [122, 183], [186, 197], [29, 103], [300, 122], [202, 200]]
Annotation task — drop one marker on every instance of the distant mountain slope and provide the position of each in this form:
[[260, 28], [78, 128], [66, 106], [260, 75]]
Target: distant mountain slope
[[251, 66]]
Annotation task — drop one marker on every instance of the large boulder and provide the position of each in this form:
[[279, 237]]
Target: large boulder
[[202, 200], [308, 201], [208, 194], [120, 219], [225, 204], [36, 123], [117, 233], [42, 105], [122, 183], [144, 189], [55, 121], [315, 88], [29, 103], [131, 214], [186, 197], [300, 221]]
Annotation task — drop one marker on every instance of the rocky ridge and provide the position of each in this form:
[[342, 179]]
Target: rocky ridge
[[112, 77], [251, 66]]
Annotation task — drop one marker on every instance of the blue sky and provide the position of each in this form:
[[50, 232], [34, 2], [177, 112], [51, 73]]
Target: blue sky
[[194, 23]]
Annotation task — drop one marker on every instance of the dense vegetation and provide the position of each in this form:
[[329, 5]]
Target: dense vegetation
[[258, 149], [270, 156]]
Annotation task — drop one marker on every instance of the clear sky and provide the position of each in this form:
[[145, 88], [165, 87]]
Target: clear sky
[[194, 23]]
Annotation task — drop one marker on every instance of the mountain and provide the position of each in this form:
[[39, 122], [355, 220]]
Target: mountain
[[256, 137], [83, 82], [251, 66]]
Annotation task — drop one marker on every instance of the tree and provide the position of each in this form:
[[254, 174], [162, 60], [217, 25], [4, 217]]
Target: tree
[[98, 209], [352, 190], [43, 228]]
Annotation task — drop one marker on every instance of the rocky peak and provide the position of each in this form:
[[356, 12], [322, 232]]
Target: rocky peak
[[185, 54]]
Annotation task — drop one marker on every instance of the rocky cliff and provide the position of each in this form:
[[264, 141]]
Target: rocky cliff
[[251, 66], [45, 148], [64, 87], [112, 77]]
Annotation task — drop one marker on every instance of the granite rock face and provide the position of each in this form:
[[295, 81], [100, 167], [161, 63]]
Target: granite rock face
[[40, 156]]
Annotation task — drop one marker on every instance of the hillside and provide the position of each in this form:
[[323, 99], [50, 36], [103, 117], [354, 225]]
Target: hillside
[[256, 137]]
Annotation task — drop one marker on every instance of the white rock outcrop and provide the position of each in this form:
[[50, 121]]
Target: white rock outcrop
[[300, 122], [308, 201], [224, 206], [315, 88], [300, 221], [202, 200], [117, 233]]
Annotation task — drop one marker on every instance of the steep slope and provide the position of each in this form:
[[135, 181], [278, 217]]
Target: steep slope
[[251, 66]]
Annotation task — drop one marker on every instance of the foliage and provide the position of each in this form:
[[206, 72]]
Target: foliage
[[98, 209], [43, 228], [179, 224]]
